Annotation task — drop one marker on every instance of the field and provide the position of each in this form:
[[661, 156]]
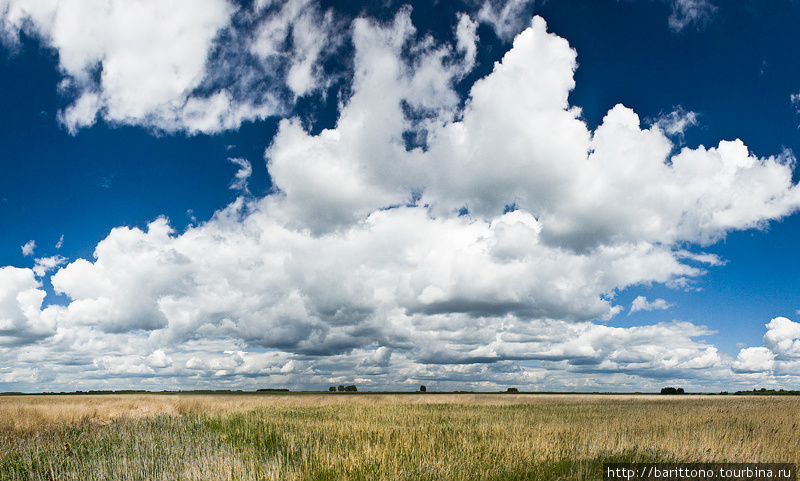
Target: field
[[382, 436]]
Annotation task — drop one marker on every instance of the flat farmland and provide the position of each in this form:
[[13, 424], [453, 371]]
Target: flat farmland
[[367, 436]]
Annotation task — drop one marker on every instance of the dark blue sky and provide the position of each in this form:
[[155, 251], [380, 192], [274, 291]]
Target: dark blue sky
[[82, 186]]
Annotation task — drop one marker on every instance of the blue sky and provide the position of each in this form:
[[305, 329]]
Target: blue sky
[[560, 195]]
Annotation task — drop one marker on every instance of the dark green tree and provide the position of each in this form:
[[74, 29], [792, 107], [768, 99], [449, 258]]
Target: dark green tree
[[422, 388]]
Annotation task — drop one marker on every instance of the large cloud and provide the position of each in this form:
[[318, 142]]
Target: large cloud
[[22, 320], [488, 248], [210, 65], [779, 357], [783, 338], [199, 66]]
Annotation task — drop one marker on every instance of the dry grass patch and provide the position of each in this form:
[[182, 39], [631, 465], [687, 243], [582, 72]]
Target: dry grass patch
[[376, 436]]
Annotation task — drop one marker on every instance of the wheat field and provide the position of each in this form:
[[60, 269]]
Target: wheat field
[[382, 436]]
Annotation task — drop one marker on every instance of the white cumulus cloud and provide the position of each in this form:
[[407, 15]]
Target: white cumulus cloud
[[22, 319], [783, 337], [780, 354], [46, 264], [199, 66], [642, 304], [486, 252], [28, 248], [755, 360], [150, 55]]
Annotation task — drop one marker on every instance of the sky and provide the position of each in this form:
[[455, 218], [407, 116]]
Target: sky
[[560, 195]]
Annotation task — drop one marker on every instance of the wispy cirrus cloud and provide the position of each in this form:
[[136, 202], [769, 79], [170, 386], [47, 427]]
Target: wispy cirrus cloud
[[695, 13], [676, 122], [506, 17], [242, 175]]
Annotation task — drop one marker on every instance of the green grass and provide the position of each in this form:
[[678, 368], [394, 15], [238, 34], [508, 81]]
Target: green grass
[[161, 447]]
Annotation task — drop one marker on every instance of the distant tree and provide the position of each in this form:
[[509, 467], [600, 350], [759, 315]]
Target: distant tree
[[341, 388], [351, 388], [422, 388], [672, 390], [332, 389], [512, 389]]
